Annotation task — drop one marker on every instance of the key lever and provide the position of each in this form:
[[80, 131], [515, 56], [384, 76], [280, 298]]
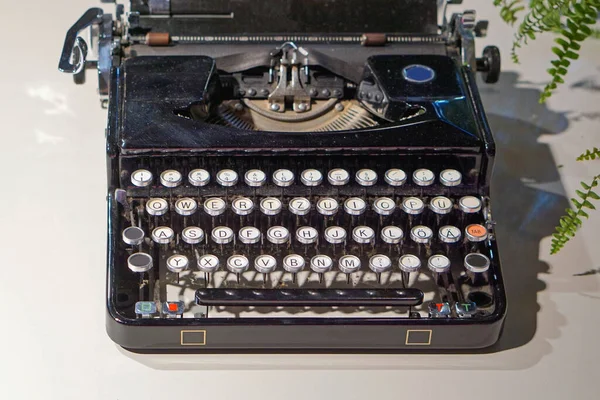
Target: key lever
[[74, 52]]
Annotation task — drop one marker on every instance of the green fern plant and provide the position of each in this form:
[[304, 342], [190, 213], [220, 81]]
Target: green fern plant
[[571, 222], [573, 21]]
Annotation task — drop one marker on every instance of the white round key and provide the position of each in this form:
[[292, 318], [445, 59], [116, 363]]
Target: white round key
[[170, 178], [238, 264], [413, 205], [449, 234], [380, 263], [421, 234], [469, 204], [395, 177], [199, 177], [293, 263], [355, 206], [163, 235], [227, 177], [192, 235], [409, 263], [392, 234], [327, 206], [283, 177], [299, 206], [366, 177], [278, 235], [335, 234], [177, 263], [249, 235], [255, 178], [450, 177], [270, 206], [242, 206], [208, 263], [423, 177], [186, 206], [321, 263], [438, 263], [214, 206], [311, 177], [133, 235], [222, 235], [441, 205], [157, 207], [363, 234], [384, 206], [265, 264], [307, 235], [338, 177], [140, 262], [141, 178], [349, 264]]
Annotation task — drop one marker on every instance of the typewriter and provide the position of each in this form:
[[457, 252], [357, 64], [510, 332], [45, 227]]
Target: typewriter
[[295, 175]]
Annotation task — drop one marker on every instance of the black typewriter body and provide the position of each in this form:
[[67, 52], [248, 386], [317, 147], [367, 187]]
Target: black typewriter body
[[311, 184]]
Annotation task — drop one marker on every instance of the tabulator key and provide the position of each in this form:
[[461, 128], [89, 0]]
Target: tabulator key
[[476, 233]]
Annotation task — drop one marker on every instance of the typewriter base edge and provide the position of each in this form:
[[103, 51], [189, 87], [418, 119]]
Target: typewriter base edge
[[356, 338]]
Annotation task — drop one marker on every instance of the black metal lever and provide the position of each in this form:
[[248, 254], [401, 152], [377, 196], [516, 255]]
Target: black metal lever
[[75, 47], [309, 297]]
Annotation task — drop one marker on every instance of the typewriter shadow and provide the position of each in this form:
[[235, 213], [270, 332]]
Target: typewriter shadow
[[528, 198]]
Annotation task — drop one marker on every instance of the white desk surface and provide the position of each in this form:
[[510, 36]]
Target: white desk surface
[[52, 248]]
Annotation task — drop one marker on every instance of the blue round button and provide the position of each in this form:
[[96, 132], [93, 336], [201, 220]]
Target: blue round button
[[418, 73]]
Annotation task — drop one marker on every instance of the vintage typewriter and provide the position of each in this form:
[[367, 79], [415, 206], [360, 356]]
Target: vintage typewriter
[[295, 175]]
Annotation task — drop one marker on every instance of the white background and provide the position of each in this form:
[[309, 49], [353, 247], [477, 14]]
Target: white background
[[52, 247]]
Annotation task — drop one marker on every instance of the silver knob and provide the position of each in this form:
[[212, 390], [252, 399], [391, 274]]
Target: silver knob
[[477, 263], [177, 263], [450, 177], [380, 263], [133, 235], [283, 177], [338, 177], [141, 178], [139, 262], [438, 263], [199, 177], [170, 178]]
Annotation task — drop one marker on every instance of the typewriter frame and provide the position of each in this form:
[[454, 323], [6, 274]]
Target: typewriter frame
[[292, 334]]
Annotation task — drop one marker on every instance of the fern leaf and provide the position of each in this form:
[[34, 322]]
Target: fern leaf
[[570, 223], [546, 16], [589, 155]]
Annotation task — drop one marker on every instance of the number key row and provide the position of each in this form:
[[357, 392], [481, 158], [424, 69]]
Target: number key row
[[284, 177]]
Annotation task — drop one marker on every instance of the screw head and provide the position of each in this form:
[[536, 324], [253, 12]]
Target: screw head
[[313, 92], [325, 92], [252, 92], [339, 107], [302, 107], [264, 92], [275, 107]]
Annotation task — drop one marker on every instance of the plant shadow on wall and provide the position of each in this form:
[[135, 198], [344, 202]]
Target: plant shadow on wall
[[528, 200]]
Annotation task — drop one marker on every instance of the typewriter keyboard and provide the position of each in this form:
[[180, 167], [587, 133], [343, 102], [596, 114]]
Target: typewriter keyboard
[[345, 238]]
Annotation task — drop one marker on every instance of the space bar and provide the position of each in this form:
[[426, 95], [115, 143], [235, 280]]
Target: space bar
[[309, 297]]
